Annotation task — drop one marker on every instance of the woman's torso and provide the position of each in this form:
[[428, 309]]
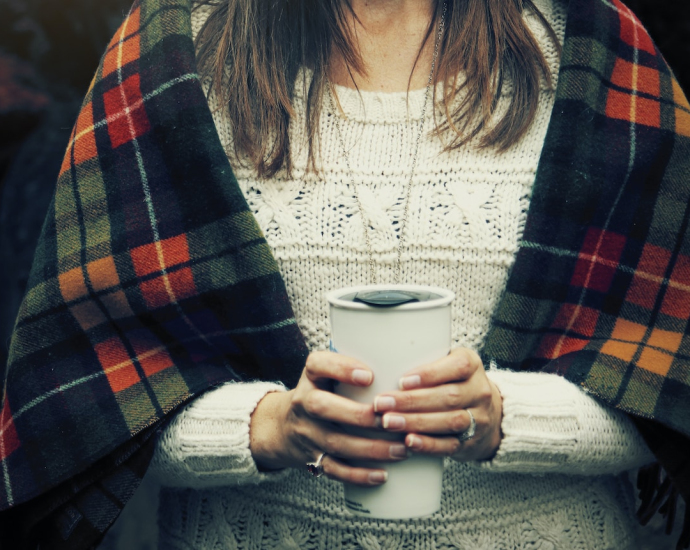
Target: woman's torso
[[466, 214]]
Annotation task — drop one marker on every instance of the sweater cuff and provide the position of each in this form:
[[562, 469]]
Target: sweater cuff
[[207, 444], [550, 425], [540, 424]]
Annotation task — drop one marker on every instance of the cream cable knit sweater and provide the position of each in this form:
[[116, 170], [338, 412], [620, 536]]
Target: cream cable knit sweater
[[558, 479]]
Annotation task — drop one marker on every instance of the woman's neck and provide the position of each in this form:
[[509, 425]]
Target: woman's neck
[[388, 35]]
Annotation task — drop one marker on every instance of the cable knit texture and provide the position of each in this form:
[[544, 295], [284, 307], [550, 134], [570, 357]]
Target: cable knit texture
[[551, 426], [209, 439], [559, 478]]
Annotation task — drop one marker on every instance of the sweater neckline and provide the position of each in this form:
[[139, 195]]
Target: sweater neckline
[[380, 107]]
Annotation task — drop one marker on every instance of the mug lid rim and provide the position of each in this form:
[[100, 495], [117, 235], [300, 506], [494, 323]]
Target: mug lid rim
[[445, 296]]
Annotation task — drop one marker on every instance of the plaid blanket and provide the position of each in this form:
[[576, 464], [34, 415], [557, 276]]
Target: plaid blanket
[[152, 281], [600, 291]]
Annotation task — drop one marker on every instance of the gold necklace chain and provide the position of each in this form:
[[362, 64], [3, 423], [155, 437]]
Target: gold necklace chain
[[408, 191]]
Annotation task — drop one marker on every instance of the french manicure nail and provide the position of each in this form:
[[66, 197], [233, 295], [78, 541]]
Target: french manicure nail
[[360, 376], [378, 477], [410, 382], [398, 451], [414, 442], [393, 422], [384, 403]]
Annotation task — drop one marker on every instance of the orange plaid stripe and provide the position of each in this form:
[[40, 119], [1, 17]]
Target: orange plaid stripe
[[633, 108], [120, 54], [154, 257], [117, 364]]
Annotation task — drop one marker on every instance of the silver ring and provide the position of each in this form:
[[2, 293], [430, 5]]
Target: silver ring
[[316, 468], [469, 432]]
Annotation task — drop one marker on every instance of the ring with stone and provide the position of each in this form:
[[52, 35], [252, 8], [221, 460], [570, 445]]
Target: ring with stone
[[469, 432], [316, 468]]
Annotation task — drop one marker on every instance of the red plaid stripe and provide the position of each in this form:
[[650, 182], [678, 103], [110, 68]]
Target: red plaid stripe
[[633, 108], [169, 288], [152, 359], [578, 319], [126, 98], [677, 298], [154, 257], [598, 260], [170, 285], [631, 31], [635, 77], [648, 277], [557, 345], [9, 441]]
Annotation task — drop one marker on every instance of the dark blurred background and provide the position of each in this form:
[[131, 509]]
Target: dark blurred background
[[49, 50]]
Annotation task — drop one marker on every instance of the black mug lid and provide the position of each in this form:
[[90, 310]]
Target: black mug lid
[[391, 298]]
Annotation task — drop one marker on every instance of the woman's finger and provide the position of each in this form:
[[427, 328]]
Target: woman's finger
[[325, 365], [324, 405], [426, 432], [440, 446], [445, 423], [447, 397], [460, 364], [340, 471], [475, 391], [310, 436], [474, 449], [351, 447]]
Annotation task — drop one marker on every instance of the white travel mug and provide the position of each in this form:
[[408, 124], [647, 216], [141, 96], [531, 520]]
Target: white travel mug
[[392, 329]]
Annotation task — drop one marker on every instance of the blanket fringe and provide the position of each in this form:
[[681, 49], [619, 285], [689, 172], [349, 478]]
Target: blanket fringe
[[657, 494]]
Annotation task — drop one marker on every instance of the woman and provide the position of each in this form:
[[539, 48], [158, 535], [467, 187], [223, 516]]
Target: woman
[[164, 286]]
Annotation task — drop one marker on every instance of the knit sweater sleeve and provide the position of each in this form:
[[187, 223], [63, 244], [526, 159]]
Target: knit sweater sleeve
[[207, 443], [550, 425]]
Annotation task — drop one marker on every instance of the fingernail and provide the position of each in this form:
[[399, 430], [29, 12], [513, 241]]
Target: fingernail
[[384, 403], [393, 422], [398, 451], [410, 382], [378, 477], [414, 442], [360, 376]]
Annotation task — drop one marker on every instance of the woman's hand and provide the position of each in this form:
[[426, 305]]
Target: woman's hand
[[432, 405], [289, 429]]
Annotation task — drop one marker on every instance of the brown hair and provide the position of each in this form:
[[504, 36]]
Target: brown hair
[[251, 52]]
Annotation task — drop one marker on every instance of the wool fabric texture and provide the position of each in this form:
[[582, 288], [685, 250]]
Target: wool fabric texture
[[152, 281], [562, 451]]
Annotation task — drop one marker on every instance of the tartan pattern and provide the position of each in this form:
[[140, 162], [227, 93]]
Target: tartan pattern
[[600, 291], [152, 281], [77, 513]]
